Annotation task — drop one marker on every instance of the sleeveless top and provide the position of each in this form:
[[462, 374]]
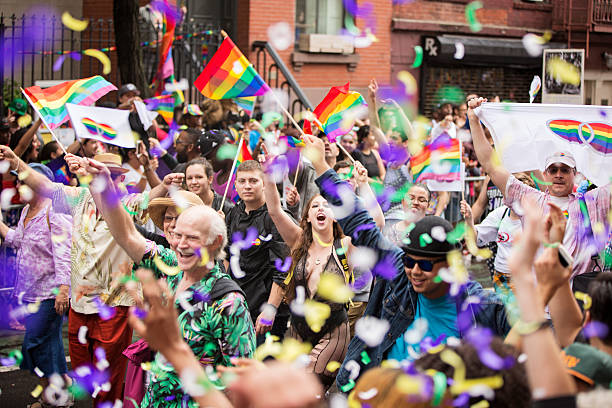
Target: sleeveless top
[[338, 313], [369, 162]]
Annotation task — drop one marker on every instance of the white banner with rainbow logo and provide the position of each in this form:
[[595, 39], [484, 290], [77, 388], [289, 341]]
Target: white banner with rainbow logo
[[107, 125], [526, 134]]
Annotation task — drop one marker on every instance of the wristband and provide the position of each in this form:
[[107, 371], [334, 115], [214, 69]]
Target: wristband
[[527, 328]]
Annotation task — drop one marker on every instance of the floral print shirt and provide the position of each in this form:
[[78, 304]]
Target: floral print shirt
[[215, 330]]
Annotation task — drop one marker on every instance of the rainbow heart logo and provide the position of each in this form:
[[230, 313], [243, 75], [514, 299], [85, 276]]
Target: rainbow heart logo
[[99, 129], [596, 135]]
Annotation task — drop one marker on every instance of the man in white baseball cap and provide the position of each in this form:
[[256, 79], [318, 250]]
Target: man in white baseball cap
[[560, 171]]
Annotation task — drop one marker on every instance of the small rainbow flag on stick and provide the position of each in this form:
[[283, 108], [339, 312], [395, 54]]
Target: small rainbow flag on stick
[[51, 102], [164, 105], [439, 161], [229, 74], [335, 111], [246, 103]]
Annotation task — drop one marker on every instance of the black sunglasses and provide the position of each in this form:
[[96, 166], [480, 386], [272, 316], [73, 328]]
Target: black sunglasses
[[424, 264]]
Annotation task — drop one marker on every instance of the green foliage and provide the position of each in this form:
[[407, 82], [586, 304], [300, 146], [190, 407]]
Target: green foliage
[[8, 96]]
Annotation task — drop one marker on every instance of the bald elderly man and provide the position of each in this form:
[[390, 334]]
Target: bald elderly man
[[213, 313]]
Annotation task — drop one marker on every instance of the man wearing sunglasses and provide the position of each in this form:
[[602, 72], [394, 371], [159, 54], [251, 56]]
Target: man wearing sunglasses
[[560, 172], [406, 286]]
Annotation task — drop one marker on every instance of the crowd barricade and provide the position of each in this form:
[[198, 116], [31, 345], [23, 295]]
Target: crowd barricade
[[453, 210]]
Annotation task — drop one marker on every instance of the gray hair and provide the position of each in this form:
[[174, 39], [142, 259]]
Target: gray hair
[[216, 227]]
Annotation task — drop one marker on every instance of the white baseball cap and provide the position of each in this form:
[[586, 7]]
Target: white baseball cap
[[560, 157]]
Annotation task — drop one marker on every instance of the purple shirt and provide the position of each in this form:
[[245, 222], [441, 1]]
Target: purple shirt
[[598, 206], [43, 253]]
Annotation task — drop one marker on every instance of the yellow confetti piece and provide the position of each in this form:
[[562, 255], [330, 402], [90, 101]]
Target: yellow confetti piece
[[288, 350], [437, 349], [165, 268], [72, 23], [24, 120], [452, 359], [205, 256], [563, 71], [332, 366], [598, 227], [470, 241], [56, 239], [146, 366], [480, 404], [409, 385], [33, 307], [332, 287], [37, 391], [408, 80], [22, 175], [465, 385], [457, 267], [102, 57], [316, 313], [586, 299]]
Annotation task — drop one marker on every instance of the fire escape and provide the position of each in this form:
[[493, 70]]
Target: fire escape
[[580, 18]]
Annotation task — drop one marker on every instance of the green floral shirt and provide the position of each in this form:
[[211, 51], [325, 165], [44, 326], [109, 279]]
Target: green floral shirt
[[215, 330]]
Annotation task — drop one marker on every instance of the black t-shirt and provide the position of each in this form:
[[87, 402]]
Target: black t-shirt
[[568, 401]]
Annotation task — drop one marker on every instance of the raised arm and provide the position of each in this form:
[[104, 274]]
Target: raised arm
[[545, 368], [289, 231], [26, 139], [36, 181], [481, 201], [366, 193], [554, 283], [484, 151], [118, 220]]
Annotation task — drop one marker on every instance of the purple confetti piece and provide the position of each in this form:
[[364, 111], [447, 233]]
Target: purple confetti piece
[[59, 62], [490, 359], [106, 312], [464, 320], [139, 313], [595, 329], [385, 269], [100, 354], [603, 113], [266, 321], [198, 296], [394, 154], [361, 281], [362, 227], [461, 400], [7, 361], [170, 398], [282, 266]]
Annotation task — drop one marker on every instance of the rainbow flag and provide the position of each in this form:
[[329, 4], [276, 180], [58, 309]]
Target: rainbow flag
[[440, 160], [332, 112], [229, 74], [246, 103], [243, 155], [599, 135], [164, 105], [51, 102], [295, 141]]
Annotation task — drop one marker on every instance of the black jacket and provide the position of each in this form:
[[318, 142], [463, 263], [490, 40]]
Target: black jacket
[[257, 262]]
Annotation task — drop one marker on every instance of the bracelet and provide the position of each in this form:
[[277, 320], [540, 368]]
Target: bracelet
[[527, 328]]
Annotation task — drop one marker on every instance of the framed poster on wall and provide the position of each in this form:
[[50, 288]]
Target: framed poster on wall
[[563, 74]]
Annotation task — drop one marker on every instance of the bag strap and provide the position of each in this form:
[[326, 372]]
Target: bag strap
[[340, 251], [222, 287], [48, 222]]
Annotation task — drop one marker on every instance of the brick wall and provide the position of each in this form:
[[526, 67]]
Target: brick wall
[[495, 13], [375, 61]]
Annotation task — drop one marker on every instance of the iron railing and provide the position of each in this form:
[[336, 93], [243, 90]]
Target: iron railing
[[602, 11], [31, 46], [270, 65]]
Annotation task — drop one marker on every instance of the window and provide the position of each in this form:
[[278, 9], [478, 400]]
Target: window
[[318, 17]]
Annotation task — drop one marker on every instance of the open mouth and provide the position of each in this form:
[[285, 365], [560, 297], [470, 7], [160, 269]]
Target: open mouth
[[185, 255], [321, 217]]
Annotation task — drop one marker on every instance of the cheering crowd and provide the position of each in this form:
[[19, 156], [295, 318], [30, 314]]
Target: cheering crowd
[[301, 275]]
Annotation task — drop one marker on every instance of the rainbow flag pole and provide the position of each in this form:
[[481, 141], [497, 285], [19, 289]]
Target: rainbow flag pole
[[229, 179], [337, 143], [42, 118]]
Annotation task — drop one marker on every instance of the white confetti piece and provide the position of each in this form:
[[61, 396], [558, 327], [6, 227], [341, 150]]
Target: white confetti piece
[[353, 368], [417, 331], [38, 372], [82, 335], [5, 165], [6, 196], [371, 330], [459, 51], [438, 233], [280, 35]]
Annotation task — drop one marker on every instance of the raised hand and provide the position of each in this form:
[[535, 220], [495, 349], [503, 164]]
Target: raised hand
[[466, 212], [315, 151], [175, 179], [372, 90], [361, 173], [76, 164], [292, 195], [476, 102], [555, 224], [7, 154]]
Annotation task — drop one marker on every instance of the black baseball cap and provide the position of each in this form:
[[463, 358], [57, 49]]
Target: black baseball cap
[[129, 87], [433, 248], [209, 140]]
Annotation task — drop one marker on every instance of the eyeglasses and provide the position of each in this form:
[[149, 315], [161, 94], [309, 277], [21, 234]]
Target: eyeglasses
[[169, 218], [555, 169], [425, 265]]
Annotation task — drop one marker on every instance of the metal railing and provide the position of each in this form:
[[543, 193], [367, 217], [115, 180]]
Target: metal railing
[[269, 65], [32, 45], [602, 11]]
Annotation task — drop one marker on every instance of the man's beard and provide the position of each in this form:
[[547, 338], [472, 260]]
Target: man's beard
[[181, 157]]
